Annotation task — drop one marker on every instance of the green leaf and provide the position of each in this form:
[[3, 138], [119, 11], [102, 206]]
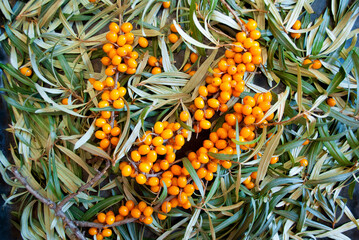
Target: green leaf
[[101, 206], [187, 164]]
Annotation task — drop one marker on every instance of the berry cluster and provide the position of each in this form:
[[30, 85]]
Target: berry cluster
[[296, 26], [26, 71], [154, 153], [156, 64], [140, 211], [316, 64], [227, 78]]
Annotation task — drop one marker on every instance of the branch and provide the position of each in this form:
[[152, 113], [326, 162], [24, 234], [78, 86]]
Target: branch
[[280, 123], [100, 225], [52, 205], [83, 187], [235, 16]]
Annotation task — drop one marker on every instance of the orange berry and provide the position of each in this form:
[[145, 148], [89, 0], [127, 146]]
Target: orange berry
[[101, 217], [184, 116], [144, 167], [129, 37], [141, 179], [148, 220], [166, 207], [193, 57], [148, 211], [307, 61], [202, 172], [111, 36], [273, 160], [107, 232], [143, 42], [226, 164], [295, 35], [182, 198], [141, 206], [247, 57], [213, 103], [161, 216], [257, 60], [135, 213], [93, 231], [304, 162], [118, 104], [106, 61], [164, 165], [110, 219], [121, 40], [241, 36], [126, 27], [98, 85], [173, 38], [173, 190], [316, 64], [245, 132], [248, 42], [251, 25], [152, 61], [297, 25], [237, 47], [331, 102], [255, 34], [250, 185], [156, 70], [126, 171]]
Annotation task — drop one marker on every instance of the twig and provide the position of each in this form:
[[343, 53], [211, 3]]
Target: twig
[[83, 187], [52, 205], [100, 225], [235, 16], [279, 123]]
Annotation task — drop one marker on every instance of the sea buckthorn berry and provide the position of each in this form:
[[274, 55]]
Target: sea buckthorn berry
[[143, 42], [173, 38], [148, 211], [187, 67], [295, 35], [205, 124], [227, 164], [144, 167], [265, 106], [118, 104], [106, 114], [161, 216], [179, 139], [156, 70], [141, 206], [241, 36], [106, 128], [267, 97], [173, 190], [229, 53], [107, 232], [107, 47], [111, 36], [121, 51], [144, 149], [100, 134], [158, 128], [297, 25], [255, 34], [202, 172], [131, 71], [232, 70], [152, 61], [121, 40], [247, 57], [221, 133], [316, 64], [173, 28], [213, 103], [170, 157], [209, 176], [166, 4], [133, 55], [273, 160], [103, 104], [114, 141], [247, 180], [246, 110], [161, 150], [331, 102], [141, 179], [110, 219], [109, 72], [106, 61], [250, 185], [250, 119], [257, 60], [98, 85], [93, 231], [193, 57], [153, 181], [184, 116], [187, 205], [199, 102], [251, 25], [166, 207], [126, 171], [114, 94], [307, 61], [304, 162], [167, 134], [122, 91], [245, 132], [132, 63], [176, 169], [202, 90], [222, 65], [135, 213], [126, 27], [65, 101], [182, 198], [104, 143], [114, 27], [237, 47], [250, 67], [148, 220], [109, 82], [101, 217], [164, 165], [255, 51], [248, 42], [129, 37]]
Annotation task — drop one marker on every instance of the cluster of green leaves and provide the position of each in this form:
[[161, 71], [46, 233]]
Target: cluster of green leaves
[[54, 145]]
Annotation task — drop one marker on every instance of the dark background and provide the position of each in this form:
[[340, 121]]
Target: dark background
[[8, 232]]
